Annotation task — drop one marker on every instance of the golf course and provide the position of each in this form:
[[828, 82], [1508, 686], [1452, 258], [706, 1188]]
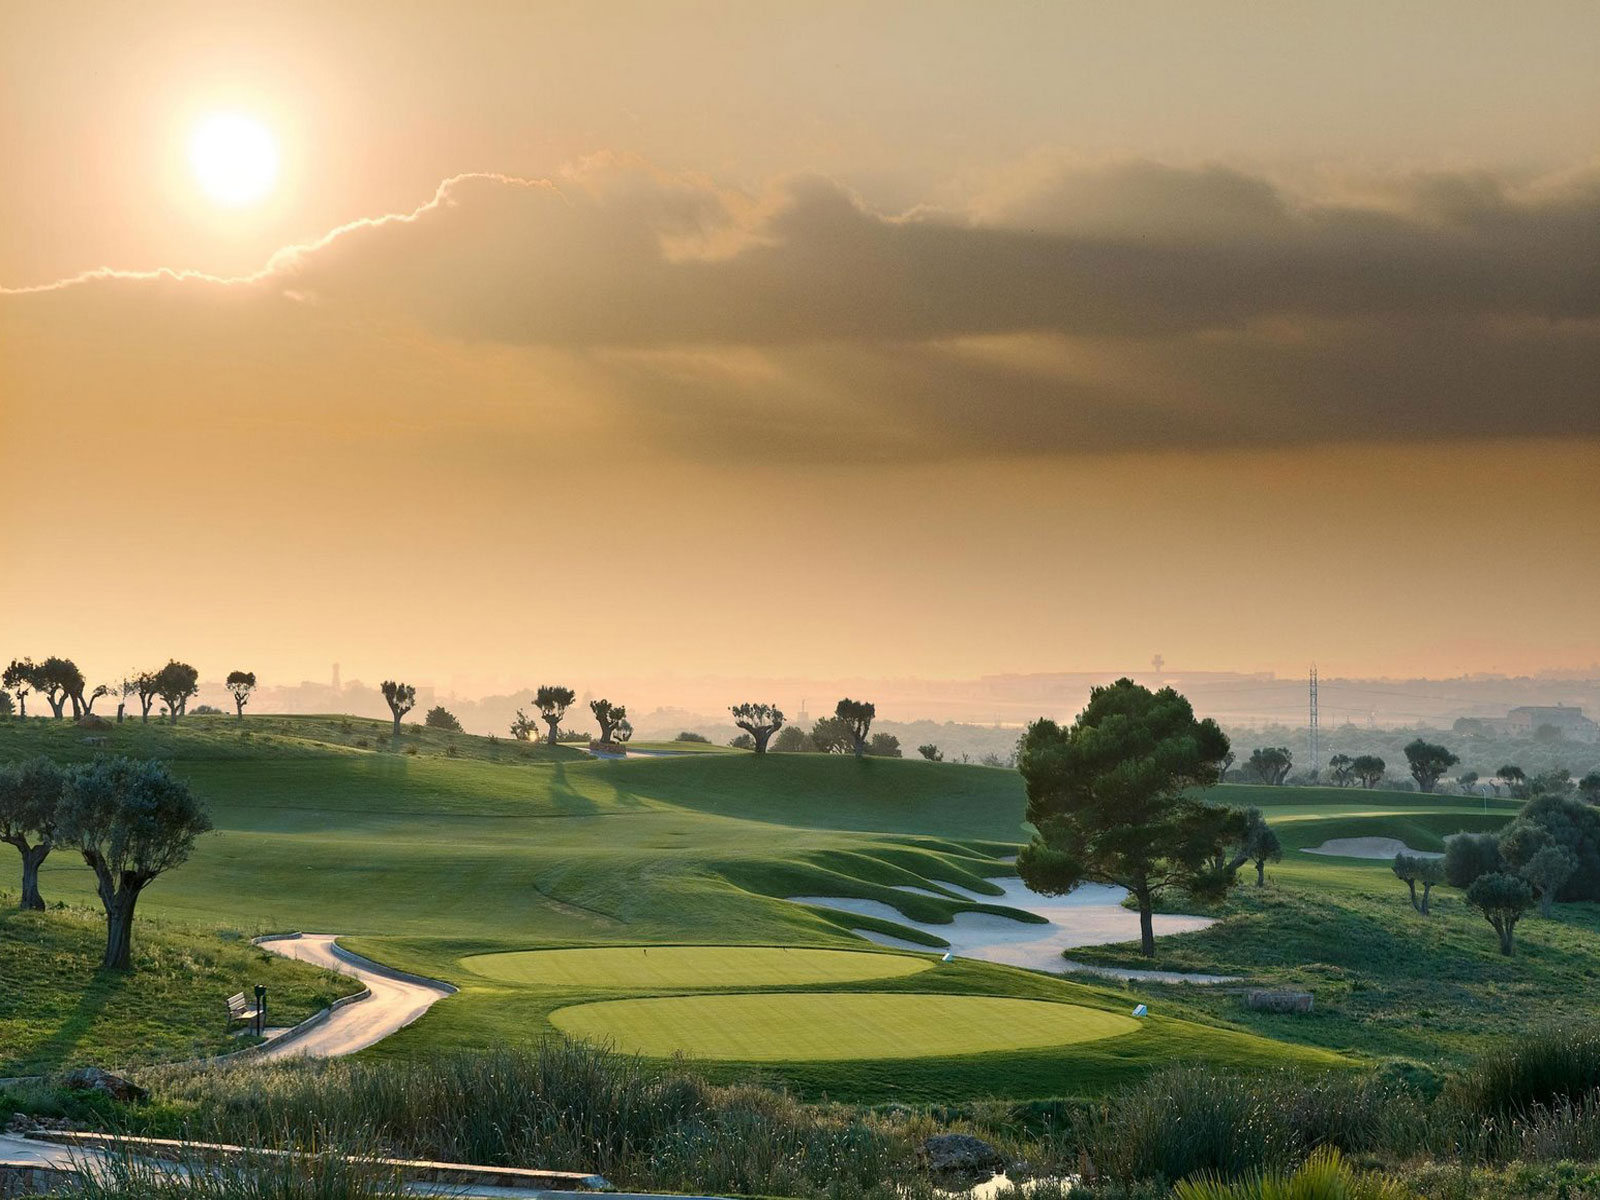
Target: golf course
[[641, 904]]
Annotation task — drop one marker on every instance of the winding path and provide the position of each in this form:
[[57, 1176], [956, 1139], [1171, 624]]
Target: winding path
[[395, 1000]]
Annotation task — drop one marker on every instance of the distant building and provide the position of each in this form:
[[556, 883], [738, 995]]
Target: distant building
[[1525, 721]]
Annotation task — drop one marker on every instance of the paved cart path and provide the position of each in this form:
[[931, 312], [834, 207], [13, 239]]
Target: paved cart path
[[397, 999]]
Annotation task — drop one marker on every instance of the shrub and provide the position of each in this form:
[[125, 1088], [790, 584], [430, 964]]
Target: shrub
[[1546, 1067], [1187, 1120], [1469, 855], [440, 717], [1323, 1176], [690, 736]]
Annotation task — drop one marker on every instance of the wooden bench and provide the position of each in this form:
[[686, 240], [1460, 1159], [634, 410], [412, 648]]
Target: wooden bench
[[242, 1008]]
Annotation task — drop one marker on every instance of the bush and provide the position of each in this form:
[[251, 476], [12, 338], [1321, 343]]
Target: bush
[[440, 717], [1323, 1176], [690, 736], [1188, 1120], [1549, 1066], [1469, 855]]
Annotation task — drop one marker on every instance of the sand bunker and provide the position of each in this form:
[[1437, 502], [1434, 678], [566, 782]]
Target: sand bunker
[[1367, 847], [1091, 916]]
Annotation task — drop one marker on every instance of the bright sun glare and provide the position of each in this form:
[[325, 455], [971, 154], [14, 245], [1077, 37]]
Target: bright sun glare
[[234, 158]]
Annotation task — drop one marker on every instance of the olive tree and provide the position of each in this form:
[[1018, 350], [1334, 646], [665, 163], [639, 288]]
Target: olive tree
[[1428, 762], [131, 821], [1502, 899], [760, 721], [856, 716], [30, 802], [175, 683], [1258, 845], [401, 699], [608, 716], [1112, 800], [552, 701], [1547, 871], [1368, 769], [1426, 869], [241, 684], [1271, 764], [931, 752]]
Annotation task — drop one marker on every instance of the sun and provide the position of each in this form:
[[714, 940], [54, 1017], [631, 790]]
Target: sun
[[234, 158]]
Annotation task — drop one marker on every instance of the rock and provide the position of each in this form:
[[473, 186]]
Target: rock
[[93, 1079], [22, 1124], [960, 1154]]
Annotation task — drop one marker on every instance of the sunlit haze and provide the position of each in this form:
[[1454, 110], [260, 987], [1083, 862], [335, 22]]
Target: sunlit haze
[[506, 342]]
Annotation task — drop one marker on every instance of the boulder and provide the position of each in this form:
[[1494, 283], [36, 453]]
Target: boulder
[[93, 1079], [960, 1154]]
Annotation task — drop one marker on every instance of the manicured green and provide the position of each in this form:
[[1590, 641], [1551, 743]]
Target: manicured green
[[823, 1026], [652, 967]]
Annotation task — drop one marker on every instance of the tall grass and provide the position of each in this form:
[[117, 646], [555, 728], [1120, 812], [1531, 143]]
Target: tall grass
[[1192, 1120], [1549, 1066], [559, 1106]]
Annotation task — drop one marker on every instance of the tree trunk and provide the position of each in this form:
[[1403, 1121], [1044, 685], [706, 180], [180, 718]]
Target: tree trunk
[[239, 704], [32, 858], [396, 722], [121, 708], [56, 706], [119, 931], [1147, 930], [1261, 872], [1427, 890], [1412, 884], [762, 736], [555, 730], [22, 705]]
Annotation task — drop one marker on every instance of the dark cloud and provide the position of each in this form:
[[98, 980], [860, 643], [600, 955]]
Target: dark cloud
[[1082, 310]]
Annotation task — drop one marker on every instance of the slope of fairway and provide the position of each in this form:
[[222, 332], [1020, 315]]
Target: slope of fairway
[[650, 967], [830, 1026]]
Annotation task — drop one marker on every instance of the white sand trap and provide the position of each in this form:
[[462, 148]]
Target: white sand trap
[[1090, 916], [1368, 847]]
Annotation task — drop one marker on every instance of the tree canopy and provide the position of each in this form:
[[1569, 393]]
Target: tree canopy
[[552, 700], [856, 716], [1111, 799], [608, 716], [1428, 761], [760, 721], [175, 683], [30, 802], [1271, 764], [1502, 899], [1368, 769], [241, 684], [401, 699], [131, 821]]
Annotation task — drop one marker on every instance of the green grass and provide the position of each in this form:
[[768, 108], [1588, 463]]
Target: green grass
[[474, 847], [59, 1009], [652, 967], [821, 1026]]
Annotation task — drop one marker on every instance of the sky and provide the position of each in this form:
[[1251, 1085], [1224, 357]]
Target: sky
[[572, 340]]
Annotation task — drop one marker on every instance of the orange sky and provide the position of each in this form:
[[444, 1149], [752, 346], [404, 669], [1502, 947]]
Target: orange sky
[[928, 340]]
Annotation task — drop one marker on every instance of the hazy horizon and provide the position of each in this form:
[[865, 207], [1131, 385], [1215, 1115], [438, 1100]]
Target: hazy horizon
[[536, 341]]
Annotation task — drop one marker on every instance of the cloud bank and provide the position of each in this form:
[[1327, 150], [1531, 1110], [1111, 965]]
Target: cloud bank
[[1069, 309]]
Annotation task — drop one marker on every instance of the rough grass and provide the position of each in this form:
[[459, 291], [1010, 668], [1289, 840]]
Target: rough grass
[[59, 1009]]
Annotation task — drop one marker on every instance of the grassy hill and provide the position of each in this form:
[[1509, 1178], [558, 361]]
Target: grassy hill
[[57, 1009], [448, 847]]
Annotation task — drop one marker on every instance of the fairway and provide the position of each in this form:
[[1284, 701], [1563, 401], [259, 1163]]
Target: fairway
[[817, 1026], [652, 967]]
